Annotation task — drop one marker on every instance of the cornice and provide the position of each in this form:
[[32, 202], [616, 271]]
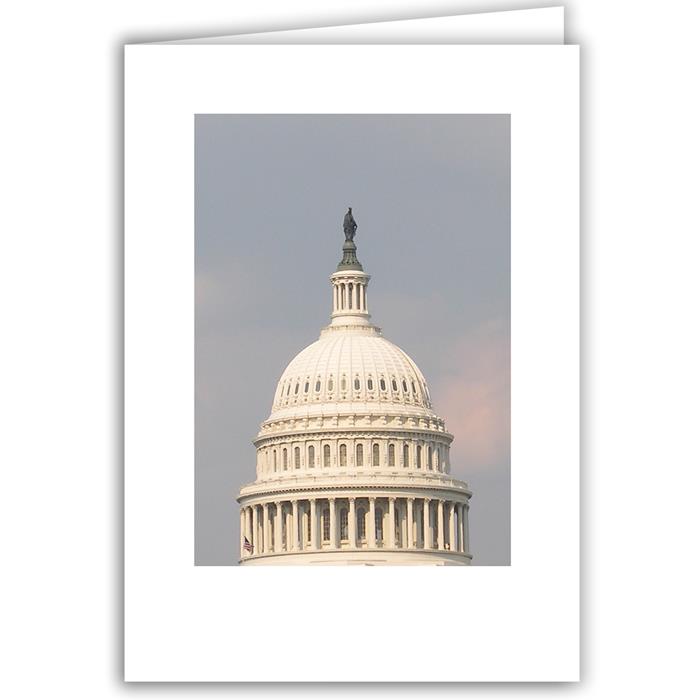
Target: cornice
[[368, 482], [305, 428]]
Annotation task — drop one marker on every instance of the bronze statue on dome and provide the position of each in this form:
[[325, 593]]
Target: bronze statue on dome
[[349, 225]]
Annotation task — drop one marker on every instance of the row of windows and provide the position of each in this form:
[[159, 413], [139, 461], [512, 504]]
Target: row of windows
[[429, 456], [291, 388]]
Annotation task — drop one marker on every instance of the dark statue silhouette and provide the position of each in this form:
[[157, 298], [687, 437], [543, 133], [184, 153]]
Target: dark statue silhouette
[[349, 225]]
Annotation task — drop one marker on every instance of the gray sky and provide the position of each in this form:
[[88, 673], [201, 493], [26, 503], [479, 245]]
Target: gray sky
[[431, 196]]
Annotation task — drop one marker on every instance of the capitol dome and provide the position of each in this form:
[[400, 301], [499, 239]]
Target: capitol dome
[[352, 440], [351, 370]]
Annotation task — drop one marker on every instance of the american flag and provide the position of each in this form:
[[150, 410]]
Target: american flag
[[247, 546]]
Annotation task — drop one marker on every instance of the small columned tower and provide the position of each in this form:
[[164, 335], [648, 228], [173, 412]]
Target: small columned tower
[[350, 283], [353, 464]]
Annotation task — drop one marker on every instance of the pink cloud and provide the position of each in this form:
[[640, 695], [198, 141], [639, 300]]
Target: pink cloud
[[474, 397]]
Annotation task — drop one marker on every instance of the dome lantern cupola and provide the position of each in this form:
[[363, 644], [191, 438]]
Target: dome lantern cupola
[[349, 282]]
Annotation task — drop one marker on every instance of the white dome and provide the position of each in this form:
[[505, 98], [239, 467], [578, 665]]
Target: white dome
[[353, 464], [346, 367]]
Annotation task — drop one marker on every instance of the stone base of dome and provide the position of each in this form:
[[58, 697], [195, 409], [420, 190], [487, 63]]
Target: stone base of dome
[[360, 557]]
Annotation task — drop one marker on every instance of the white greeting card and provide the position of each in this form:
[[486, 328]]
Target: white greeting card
[[434, 462]]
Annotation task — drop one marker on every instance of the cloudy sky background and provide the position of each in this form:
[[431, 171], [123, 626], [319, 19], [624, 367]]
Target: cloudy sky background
[[431, 195]]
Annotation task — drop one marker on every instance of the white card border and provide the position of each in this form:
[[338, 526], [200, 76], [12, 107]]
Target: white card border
[[186, 623]]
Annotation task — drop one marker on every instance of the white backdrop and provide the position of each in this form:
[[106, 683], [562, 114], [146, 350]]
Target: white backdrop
[[61, 227]]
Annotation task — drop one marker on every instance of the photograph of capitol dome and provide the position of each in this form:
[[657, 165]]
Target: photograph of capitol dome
[[362, 459]]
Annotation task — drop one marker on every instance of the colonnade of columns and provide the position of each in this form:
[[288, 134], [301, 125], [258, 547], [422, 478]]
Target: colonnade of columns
[[357, 522], [349, 296]]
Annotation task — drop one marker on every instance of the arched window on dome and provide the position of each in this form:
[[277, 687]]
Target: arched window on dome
[[382, 384], [429, 459], [326, 455], [418, 457], [330, 385], [357, 384], [326, 525], [375, 454], [394, 385], [405, 386], [392, 455], [312, 457], [359, 453], [370, 384], [297, 458], [317, 388], [306, 387], [343, 524], [289, 387], [343, 383], [413, 386], [284, 459], [405, 455], [361, 523], [296, 388], [343, 455], [379, 525]]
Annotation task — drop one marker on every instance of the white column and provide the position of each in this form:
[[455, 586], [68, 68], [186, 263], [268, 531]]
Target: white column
[[441, 524], [460, 529], [465, 525], [295, 525], [410, 541], [427, 539], [266, 528], [313, 514], [452, 538], [261, 531], [278, 526], [352, 525], [372, 528], [255, 533], [302, 526], [392, 523], [334, 524]]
